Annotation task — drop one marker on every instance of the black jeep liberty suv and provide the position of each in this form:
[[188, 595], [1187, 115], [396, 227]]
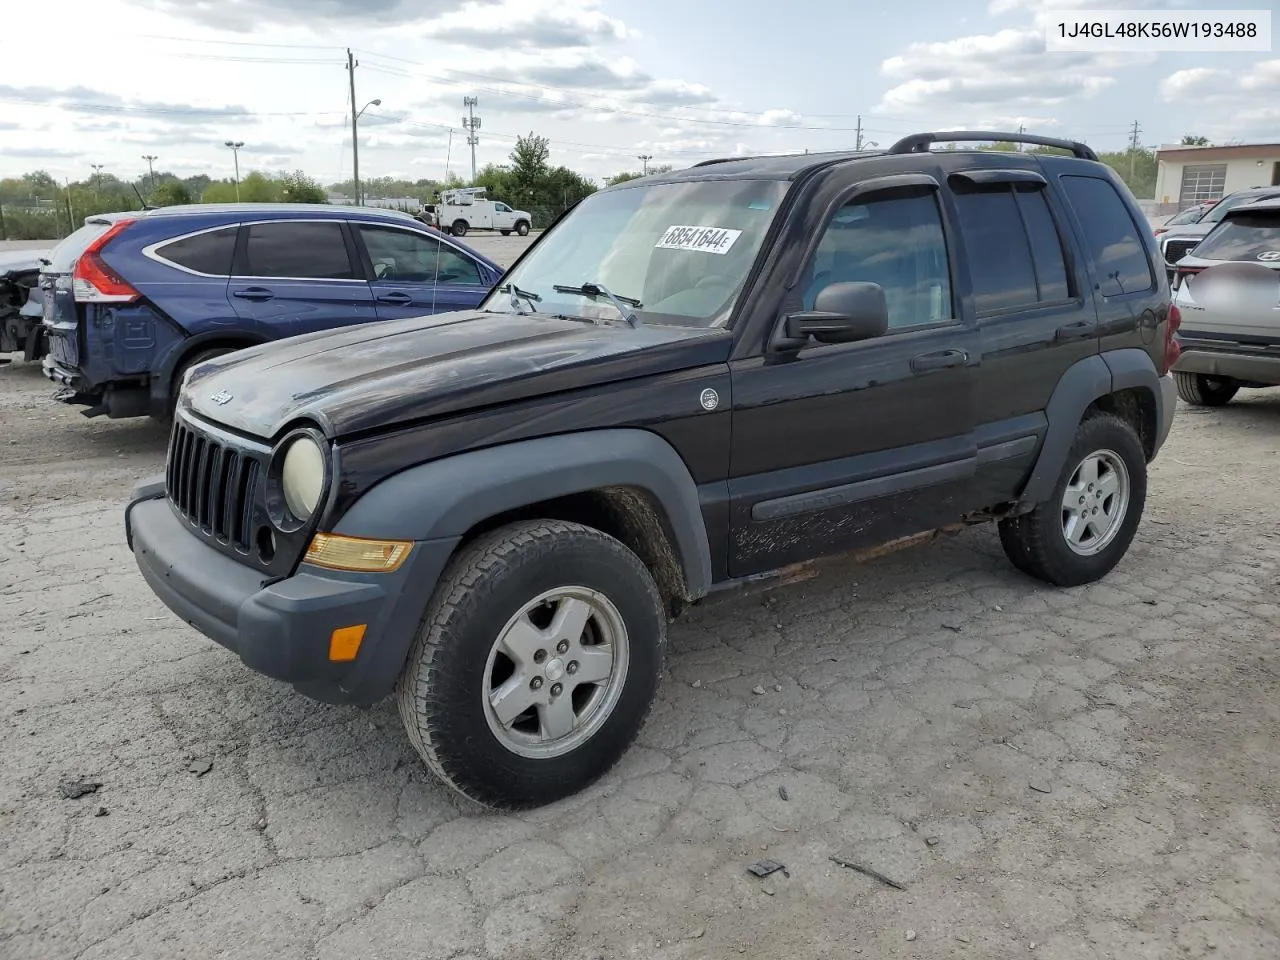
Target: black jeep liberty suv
[[691, 380]]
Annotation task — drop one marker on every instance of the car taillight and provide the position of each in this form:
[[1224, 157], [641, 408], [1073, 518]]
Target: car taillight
[[1172, 348], [94, 281]]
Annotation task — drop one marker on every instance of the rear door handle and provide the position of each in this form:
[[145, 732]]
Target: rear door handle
[[253, 293], [1075, 331], [942, 360], [396, 297]]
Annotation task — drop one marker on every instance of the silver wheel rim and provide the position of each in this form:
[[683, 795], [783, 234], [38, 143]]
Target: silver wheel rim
[[555, 672], [1095, 502]]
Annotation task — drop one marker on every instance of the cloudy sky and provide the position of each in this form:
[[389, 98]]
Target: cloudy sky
[[606, 80]]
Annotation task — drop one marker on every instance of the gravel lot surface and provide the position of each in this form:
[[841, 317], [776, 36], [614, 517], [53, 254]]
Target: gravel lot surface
[[1086, 773]]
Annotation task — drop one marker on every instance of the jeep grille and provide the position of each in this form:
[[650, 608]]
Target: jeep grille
[[212, 485]]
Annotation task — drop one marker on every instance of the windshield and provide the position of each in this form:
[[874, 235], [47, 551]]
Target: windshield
[[682, 251], [1219, 210], [1186, 216], [1252, 236]]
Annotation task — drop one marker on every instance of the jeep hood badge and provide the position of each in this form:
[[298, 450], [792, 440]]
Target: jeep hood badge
[[222, 397]]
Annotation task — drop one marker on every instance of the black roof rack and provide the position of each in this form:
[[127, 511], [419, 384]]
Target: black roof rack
[[920, 142], [707, 163]]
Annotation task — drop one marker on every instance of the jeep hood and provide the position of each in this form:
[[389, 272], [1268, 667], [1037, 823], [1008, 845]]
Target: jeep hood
[[376, 375]]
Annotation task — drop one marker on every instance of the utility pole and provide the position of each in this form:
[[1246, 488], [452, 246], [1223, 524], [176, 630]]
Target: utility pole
[[352, 63], [472, 123], [1021, 130], [151, 158], [645, 158], [97, 176], [858, 142], [235, 146], [1134, 146]]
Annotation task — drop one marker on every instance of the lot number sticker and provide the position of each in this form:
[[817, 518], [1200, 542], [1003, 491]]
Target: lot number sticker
[[706, 239]]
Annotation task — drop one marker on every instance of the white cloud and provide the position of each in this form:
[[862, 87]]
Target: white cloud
[[529, 26], [249, 15], [1236, 103]]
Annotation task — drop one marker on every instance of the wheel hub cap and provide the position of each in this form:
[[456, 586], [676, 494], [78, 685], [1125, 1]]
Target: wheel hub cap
[[1095, 502], [555, 672]]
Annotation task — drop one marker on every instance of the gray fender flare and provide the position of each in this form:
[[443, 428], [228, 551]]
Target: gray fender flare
[[445, 498], [1082, 384]]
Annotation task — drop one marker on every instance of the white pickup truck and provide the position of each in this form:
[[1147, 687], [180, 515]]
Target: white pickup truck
[[460, 211]]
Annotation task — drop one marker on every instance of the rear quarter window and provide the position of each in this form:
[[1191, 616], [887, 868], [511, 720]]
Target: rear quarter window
[[1113, 239], [208, 253], [1244, 237]]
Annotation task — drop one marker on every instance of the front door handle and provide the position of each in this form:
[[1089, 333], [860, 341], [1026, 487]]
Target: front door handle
[[396, 297], [1080, 330], [942, 360], [253, 293]]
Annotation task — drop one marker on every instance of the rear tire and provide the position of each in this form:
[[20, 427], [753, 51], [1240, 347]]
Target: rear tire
[[1083, 530], [201, 356], [459, 228], [488, 694], [1201, 390]]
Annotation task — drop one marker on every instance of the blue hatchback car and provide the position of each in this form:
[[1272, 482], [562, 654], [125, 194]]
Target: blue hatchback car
[[134, 300]]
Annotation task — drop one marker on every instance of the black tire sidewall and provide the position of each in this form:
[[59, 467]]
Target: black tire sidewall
[[522, 228], [1104, 432], [471, 756]]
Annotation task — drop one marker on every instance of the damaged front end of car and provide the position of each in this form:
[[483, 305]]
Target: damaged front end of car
[[21, 305]]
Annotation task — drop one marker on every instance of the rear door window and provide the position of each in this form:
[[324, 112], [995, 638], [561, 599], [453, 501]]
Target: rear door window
[[300, 250], [1249, 236], [208, 253], [1112, 237], [1015, 254]]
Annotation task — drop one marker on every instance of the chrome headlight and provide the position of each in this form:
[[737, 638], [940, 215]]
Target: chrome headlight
[[302, 476]]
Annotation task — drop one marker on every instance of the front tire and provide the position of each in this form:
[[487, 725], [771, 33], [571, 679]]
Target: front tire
[[1201, 390], [1083, 530], [536, 663], [522, 228]]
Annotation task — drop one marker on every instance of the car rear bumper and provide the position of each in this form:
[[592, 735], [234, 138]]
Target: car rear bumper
[[1260, 365], [283, 629]]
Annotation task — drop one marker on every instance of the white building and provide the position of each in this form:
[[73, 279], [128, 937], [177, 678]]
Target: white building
[[1189, 175]]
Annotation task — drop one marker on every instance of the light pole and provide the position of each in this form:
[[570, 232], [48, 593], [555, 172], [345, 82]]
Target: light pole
[[235, 146], [645, 158], [151, 158], [97, 176], [355, 147]]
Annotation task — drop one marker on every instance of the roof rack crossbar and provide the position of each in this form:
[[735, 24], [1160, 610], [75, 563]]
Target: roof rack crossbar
[[707, 163], [920, 142]]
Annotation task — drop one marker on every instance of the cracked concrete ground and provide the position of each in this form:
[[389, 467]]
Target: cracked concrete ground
[[1088, 773]]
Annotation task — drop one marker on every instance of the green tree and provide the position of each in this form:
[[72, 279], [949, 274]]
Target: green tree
[[623, 177], [1191, 140], [529, 160], [297, 187], [170, 194], [1137, 168]]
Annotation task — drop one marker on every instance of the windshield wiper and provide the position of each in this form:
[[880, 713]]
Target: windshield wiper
[[594, 290], [517, 295]]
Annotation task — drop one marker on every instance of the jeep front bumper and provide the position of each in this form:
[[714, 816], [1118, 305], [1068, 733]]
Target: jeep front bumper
[[282, 629]]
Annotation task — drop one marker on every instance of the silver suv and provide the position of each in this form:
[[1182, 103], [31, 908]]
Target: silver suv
[[1228, 293], [1177, 242]]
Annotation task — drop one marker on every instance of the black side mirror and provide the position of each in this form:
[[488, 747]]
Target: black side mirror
[[842, 313]]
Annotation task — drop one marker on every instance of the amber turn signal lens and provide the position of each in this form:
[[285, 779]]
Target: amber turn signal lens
[[357, 554], [344, 643]]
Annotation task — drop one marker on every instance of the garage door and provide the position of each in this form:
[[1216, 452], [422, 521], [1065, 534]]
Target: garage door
[[1202, 182]]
